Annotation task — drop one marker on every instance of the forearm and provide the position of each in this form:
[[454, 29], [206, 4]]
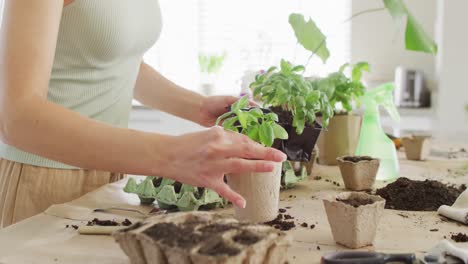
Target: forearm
[[51, 131], [154, 90]]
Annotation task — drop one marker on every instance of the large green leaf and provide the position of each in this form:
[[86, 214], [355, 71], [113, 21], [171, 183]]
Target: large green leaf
[[279, 131], [266, 134], [309, 36], [416, 39]]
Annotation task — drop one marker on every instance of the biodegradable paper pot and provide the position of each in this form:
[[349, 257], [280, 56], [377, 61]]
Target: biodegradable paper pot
[[261, 192], [358, 176], [417, 147], [339, 139], [354, 227], [202, 238]]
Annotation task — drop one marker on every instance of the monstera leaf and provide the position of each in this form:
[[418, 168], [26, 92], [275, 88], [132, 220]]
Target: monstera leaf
[[416, 39], [309, 36]]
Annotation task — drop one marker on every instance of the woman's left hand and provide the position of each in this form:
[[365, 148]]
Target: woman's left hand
[[214, 106]]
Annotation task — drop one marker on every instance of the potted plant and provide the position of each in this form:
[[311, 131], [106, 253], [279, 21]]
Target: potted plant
[[354, 217], [291, 96], [260, 190], [417, 147], [210, 65], [358, 172], [344, 92], [173, 195]]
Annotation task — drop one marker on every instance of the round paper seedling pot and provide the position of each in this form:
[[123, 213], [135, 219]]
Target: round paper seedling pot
[[358, 172], [261, 192], [417, 147], [354, 226]]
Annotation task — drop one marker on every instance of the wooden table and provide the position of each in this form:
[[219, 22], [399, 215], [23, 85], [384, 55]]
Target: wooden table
[[44, 238]]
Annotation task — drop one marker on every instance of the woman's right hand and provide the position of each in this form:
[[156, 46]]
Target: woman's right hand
[[203, 158]]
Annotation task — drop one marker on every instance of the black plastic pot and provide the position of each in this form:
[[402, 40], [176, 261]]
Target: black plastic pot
[[296, 147]]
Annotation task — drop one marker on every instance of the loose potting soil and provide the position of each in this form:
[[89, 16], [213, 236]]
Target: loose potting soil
[[460, 237], [280, 224], [210, 236], [356, 159], [356, 202], [409, 195]]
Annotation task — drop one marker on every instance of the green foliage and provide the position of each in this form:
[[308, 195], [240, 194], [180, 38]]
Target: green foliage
[[309, 36], [340, 88], [416, 38], [287, 88], [210, 63], [252, 122]]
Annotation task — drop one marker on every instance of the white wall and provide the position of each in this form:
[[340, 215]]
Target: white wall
[[376, 38], [452, 67]]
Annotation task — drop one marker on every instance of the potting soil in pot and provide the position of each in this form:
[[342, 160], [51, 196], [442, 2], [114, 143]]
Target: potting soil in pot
[[296, 147], [202, 237], [409, 195]]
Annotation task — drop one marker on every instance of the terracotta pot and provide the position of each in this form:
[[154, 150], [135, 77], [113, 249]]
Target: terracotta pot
[[417, 147], [339, 139], [354, 227], [261, 192], [358, 176]]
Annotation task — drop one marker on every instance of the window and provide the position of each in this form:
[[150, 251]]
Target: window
[[254, 34]]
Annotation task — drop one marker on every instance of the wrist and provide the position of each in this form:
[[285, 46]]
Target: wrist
[[159, 154]]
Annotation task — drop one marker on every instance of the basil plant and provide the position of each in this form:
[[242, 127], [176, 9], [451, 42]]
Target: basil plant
[[258, 125]]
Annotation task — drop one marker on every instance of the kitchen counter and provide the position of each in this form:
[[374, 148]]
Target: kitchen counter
[[46, 239]]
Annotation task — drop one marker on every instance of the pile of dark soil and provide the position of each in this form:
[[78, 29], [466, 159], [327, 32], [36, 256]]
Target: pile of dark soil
[[356, 159], [460, 237], [409, 195], [356, 202]]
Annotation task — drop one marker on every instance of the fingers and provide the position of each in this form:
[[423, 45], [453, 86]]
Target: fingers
[[252, 151], [235, 165], [230, 144], [225, 191]]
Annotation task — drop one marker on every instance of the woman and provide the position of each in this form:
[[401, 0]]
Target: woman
[[68, 72]]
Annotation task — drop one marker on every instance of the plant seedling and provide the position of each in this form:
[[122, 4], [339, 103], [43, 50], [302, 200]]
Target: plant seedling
[[341, 89], [253, 122], [287, 88]]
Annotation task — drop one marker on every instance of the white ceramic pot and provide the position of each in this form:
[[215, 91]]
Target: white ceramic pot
[[261, 192]]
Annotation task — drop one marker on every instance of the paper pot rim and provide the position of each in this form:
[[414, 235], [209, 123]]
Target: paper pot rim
[[416, 137], [346, 195], [342, 160]]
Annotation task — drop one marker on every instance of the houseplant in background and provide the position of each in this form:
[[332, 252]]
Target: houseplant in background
[[344, 93], [260, 190], [210, 65], [286, 92], [290, 95]]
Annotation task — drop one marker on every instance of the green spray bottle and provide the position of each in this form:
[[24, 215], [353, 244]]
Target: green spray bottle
[[373, 141]]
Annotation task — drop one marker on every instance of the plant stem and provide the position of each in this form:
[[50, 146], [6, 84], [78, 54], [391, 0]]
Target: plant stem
[[365, 12], [313, 53]]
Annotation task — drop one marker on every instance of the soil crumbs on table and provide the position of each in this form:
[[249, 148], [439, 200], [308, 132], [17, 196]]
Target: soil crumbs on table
[[460, 237], [356, 202], [98, 222], [409, 195], [281, 224]]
